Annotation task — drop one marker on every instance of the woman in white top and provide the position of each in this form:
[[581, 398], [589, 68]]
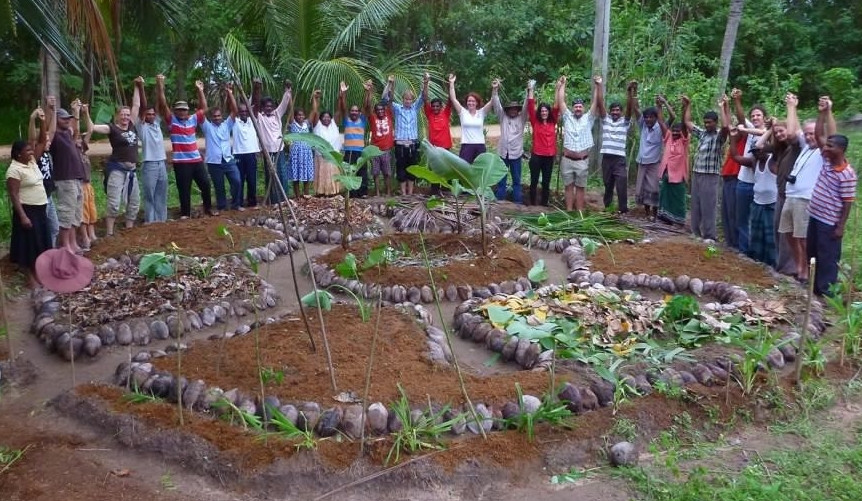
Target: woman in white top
[[472, 117], [324, 170], [761, 225]]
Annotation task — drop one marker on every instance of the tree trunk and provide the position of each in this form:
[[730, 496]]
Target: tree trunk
[[50, 75], [733, 19], [601, 40]]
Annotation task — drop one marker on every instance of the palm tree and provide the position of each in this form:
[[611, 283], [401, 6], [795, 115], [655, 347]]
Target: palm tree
[[319, 43], [733, 19]]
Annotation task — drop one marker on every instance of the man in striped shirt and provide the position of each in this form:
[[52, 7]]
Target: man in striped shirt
[[354, 133], [833, 196], [615, 131], [188, 164], [706, 172]]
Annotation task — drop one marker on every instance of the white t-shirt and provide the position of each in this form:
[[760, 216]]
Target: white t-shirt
[[472, 127], [806, 169], [244, 137]]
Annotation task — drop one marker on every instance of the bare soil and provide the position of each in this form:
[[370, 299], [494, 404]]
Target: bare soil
[[679, 255], [507, 261], [399, 359], [200, 237]]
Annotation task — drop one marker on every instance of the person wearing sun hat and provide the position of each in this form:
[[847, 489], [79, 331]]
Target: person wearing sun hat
[[61, 271], [513, 118]]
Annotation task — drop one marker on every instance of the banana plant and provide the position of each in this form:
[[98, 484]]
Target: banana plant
[[447, 169], [347, 177]]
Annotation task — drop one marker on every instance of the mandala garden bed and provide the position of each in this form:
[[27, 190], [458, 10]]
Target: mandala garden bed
[[297, 383], [399, 269], [439, 215], [122, 306], [630, 340]]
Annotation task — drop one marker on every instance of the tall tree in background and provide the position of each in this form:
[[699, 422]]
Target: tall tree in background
[[733, 19]]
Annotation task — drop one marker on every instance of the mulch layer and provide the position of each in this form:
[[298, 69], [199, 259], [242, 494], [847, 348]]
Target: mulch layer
[[195, 237], [400, 358], [676, 256], [507, 261]]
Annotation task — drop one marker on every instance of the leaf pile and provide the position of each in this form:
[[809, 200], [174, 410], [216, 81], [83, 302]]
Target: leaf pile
[[319, 211], [560, 224], [123, 293]]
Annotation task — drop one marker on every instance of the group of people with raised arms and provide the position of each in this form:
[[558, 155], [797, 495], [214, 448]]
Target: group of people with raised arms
[[782, 188]]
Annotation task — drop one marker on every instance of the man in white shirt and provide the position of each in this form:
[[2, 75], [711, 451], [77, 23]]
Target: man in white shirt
[[793, 222], [269, 118], [246, 146], [577, 143]]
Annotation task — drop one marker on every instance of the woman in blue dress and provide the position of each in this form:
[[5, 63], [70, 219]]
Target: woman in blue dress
[[301, 160]]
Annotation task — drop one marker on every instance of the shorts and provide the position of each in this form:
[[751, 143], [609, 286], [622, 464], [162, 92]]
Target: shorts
[[794, 217], [70, 203], [382, 165], [91, 215], [575, 171]]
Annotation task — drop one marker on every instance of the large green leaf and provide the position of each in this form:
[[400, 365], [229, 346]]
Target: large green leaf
[[538, 273], [312, 299], [424, 173], [368, 153], [349, 182], [486, 171], [319, 145]]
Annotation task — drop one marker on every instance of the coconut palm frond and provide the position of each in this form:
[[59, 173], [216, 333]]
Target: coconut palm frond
[[246, 65], [368, 16], [85, 21], [327, 74], [44, 20], [7, 18], [409, 70]]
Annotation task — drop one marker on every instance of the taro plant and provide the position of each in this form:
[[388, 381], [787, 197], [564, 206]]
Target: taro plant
[[347, 177], [756, 346], [417, 434], [451, 171]]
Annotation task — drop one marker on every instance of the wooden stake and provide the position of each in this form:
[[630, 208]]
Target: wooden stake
[[3, 312], [803, 340]]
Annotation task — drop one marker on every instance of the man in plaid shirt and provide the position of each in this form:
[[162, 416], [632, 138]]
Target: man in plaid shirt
[[706, 171]]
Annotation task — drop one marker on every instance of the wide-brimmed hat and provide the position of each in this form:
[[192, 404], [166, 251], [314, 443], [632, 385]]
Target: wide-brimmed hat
[[512, 104], [60, 270], [63, 114], [181, 105]]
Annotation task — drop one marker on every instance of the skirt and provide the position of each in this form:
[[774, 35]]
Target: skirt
[[324, 178], [761, 244], [672, 202], [647, 188], [27, 243]]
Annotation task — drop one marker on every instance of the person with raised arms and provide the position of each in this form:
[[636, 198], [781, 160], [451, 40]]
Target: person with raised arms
[[187, 160], [577, 142], [406, 115], [154, 169], [472, 118], [269, 119]]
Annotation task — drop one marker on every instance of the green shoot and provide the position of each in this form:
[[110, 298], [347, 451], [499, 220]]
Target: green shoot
[[423, 434]]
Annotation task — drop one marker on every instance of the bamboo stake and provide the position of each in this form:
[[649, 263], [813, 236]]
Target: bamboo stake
[[370, 364], [804, 338], [273, 174], [3, 312]]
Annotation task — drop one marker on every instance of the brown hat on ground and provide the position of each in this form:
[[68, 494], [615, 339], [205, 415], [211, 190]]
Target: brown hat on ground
[[60, 270]]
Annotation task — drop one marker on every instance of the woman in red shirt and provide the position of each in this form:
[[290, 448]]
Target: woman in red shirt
[[673, 170], [544, 125]]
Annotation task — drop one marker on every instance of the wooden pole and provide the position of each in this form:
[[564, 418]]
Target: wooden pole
[[3, 312], [803, 340], [601, 40]]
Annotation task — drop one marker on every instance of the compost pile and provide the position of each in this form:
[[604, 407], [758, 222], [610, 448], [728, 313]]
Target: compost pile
[[318, 211]]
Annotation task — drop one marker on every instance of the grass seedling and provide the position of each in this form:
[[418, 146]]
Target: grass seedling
[[271, 375], [285, 429], [756, 349], [140, 397], [525, 422], [9, 457], [234, 415], [423, 434], [711, 252]]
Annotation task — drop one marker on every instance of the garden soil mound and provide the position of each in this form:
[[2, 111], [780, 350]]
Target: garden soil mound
[[195, 237], [400, 358], [507, 261], [680, 256]]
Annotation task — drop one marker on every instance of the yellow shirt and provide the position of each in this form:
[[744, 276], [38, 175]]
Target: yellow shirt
[[32, 190]]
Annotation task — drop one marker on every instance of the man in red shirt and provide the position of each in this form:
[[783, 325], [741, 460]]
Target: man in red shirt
[[439, 116], [383, 136]]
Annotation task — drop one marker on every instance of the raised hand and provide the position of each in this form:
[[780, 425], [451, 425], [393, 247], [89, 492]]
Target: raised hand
[[451, 78], [85, 109], [256, 82], [632, 87], [791, 100], [390, 79], [531, 84], [288, 85], [686, 101], [139, 80], [368, 85], [427, 77], [597, 79], [38, 113], [160, 79], [316, 94], [495, 84], [76, 105], [735, 93], [51, 102], [199, 85]]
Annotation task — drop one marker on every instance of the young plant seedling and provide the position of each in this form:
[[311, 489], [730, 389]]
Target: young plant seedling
[[424, 433], [711, 252]]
